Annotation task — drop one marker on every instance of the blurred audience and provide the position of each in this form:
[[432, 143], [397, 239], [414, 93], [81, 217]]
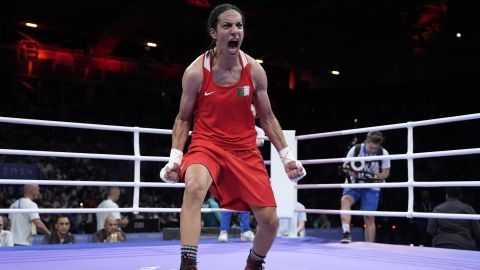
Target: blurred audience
[[322, 222]]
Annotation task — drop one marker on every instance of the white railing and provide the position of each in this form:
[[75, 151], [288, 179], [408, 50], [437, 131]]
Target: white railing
[[99, 210], [90, 183], [138, 158], [390, 127], [409, 156], [34, 122]]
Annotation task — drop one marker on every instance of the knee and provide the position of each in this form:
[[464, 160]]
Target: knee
[[270, 224], [346, 201], [369, 221], [195, 190]]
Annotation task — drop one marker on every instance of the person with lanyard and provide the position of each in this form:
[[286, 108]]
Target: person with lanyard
[[364, 172]]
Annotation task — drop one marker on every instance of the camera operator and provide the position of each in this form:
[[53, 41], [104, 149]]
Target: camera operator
[[364, 172]]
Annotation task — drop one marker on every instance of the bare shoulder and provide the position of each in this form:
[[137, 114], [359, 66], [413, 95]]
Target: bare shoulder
[[193, 75], [254, 65], [258, 73]]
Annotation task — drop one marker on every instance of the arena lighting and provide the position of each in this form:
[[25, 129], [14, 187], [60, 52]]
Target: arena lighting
[[459, 35], [335, 72], [151, 44], [200, 3], [33, 25], [260, 61]]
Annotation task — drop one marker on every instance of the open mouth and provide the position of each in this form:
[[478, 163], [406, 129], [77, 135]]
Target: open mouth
[[233, 44]]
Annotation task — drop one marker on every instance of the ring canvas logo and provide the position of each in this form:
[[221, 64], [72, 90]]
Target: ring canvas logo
[[243, 91]]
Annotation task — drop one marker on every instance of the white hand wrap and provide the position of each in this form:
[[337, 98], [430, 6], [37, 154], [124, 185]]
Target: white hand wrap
[[175, 157], [286, 157]]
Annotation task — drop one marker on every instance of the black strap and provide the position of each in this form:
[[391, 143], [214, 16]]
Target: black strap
[[356, 153]]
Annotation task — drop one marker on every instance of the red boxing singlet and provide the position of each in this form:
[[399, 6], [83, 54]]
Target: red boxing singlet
[[222, 114], [224, 141]]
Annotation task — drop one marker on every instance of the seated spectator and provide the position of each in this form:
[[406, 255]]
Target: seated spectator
[[162, 221], [454, 233], [6, 239], [211, 219], [61, 234], [300, 219], [110, 232], [322, 222]]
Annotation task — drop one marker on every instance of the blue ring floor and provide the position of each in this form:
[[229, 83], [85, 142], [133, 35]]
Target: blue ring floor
[[309, 253]]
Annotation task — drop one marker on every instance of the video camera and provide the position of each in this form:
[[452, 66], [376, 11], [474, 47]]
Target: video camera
[[359, 168]]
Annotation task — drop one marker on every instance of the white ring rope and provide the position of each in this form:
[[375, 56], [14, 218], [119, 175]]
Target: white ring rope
[[84, 155], [390, 127], [136, 184], [101, 210], [48, 123], [90, 183], [468, 151], [390, 214], [392, 185], [79, 155], [446, 153]]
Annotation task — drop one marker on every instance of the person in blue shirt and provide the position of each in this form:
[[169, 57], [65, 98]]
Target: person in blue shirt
[[364, 172], [211, 219]]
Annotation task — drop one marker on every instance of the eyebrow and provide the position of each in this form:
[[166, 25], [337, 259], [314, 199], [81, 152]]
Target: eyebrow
[[231, 22]]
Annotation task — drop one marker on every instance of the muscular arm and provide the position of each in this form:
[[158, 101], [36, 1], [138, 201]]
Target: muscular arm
[[384, 174], [191, 82], [270, 124], [40, 226], [268, 121]]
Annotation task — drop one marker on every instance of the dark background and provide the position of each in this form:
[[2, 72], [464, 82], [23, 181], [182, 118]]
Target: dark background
[[87, 62]]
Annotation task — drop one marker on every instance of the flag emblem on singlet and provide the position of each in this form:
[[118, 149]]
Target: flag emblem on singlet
[[243, 91]]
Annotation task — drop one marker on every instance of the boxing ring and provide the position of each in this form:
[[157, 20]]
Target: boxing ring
[[298, 254], [287, 253]]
